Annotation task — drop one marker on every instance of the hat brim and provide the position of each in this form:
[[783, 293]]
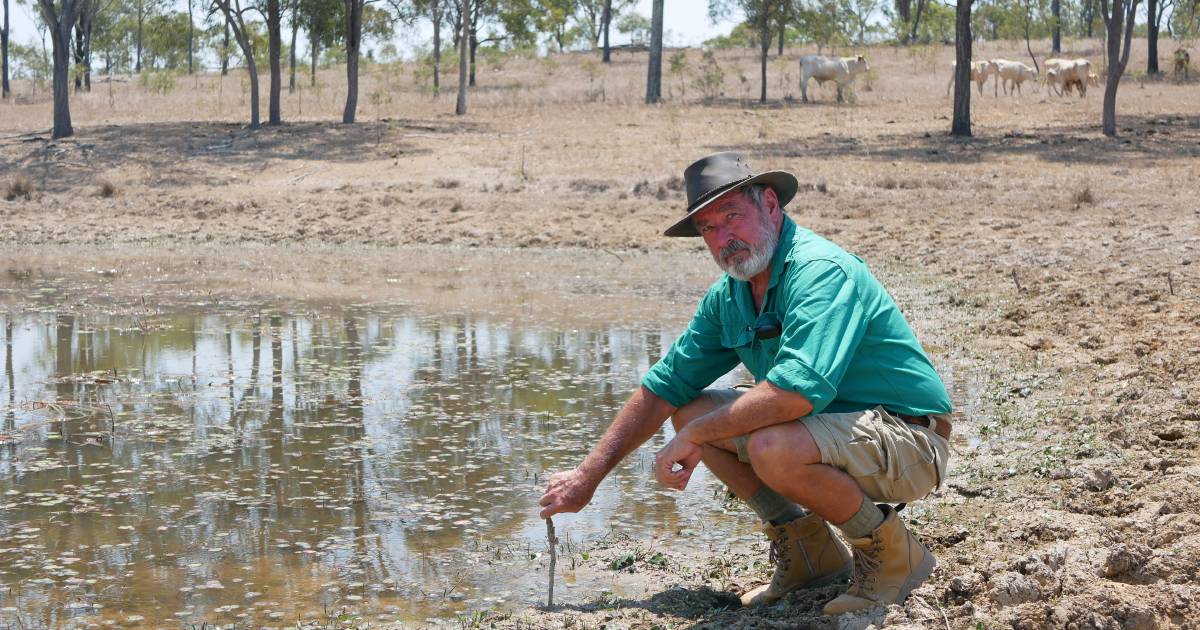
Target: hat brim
[[782, 182]]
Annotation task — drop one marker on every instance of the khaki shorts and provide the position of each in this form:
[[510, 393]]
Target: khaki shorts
[[892, 461]]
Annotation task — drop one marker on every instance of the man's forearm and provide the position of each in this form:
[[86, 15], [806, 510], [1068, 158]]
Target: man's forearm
[[762, 406], [639, 419]]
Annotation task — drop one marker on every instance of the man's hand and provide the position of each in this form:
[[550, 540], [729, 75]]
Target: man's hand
[[567, 491], [680, 451]]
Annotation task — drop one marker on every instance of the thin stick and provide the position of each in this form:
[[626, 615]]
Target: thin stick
[[1170, 283], [1015, 281], [553, 540]]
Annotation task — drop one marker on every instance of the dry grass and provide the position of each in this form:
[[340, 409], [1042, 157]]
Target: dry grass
[[1084, 196], [18, 187], [106, 189]]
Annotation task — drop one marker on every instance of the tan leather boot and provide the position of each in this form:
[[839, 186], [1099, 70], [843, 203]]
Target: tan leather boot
[[806, 554], [888, 565]]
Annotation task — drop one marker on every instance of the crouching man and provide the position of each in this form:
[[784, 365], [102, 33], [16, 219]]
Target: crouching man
[[847, 412]]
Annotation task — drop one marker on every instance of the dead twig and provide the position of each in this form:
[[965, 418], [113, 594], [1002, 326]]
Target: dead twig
[[553, 540], [1016, 281]]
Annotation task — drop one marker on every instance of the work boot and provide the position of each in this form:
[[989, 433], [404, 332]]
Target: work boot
[[888, 565], [805, 554]]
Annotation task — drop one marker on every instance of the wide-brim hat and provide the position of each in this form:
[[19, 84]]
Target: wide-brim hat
[[710, 177]]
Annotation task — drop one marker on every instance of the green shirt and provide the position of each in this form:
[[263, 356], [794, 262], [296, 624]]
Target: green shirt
[[844, 344]]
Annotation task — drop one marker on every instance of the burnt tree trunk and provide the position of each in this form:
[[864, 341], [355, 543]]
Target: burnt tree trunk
[[961, 123], [314, 49], [191, 37], [654, 69], [354, 11], [1056, 37], [274, 51], [460, 105], [5, 89], [141, 20], [1152, 9], [606, 56], [225, 51], [474, 41], [79, 48]]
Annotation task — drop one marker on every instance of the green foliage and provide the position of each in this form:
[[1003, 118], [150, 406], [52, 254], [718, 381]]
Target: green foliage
[[29, 62], [165, 41], [709, 78], [160, 81], [636, 26]]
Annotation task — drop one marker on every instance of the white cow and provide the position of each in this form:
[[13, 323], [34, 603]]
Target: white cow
[[1014, 73], [840, 70], [980, 71], [1068, 73]]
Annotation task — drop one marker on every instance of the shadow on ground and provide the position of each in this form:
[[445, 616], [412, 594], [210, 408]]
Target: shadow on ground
[[709, 609], [186, 153], [1141, 139]]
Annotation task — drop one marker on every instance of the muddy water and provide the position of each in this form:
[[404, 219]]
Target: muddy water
[[226, 466]]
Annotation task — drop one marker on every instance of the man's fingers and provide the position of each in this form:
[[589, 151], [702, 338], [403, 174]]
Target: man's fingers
[[546, 500]]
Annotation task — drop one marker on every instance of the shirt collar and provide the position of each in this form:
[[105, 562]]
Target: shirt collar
[[782, 250]]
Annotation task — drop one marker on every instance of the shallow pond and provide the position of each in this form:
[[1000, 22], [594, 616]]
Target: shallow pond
[[257, 466]]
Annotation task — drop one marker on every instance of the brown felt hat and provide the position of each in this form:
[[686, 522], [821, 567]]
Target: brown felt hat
[[710, 177]]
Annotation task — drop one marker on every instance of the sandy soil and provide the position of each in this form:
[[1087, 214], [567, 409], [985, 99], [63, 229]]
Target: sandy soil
[[1054, 269]]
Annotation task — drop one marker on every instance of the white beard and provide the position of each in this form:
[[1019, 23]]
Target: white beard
[[758, 260]]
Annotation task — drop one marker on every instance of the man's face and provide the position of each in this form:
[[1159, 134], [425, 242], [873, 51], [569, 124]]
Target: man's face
[[740, 236]]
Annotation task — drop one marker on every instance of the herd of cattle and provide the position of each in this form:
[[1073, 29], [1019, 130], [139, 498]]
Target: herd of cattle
[[1061, 75]]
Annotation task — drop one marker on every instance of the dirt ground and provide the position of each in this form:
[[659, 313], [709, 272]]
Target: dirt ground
[[1054, 269]]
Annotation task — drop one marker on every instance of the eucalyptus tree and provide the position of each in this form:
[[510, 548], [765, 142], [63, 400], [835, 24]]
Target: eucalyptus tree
[[761, 15], [960, 124], [59, 17], [235, 16], [4, 87], [464, 37], [654, 67], [1119, 17]]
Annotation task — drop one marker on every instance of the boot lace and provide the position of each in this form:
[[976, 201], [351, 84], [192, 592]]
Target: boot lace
[[778, 554], [866, 567]]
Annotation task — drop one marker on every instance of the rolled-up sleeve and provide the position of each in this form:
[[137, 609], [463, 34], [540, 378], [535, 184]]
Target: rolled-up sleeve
[[823, 323], [696, 359]]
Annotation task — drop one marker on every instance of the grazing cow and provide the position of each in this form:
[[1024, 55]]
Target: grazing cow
[[980, 70], [1012, 72], [1093, 80], [840, 70], [1182, 61], [1068, 73]]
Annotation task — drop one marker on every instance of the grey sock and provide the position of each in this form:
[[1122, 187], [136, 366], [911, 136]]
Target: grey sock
[[773, 507], [867, 519]]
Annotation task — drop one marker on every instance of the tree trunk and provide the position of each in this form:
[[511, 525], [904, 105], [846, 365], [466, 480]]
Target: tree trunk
[[5, 88], [1151, 37], [912, 36], [141, 19], [243, 40], [474, 41], [225, 51], [79, 55], [354, 9], [765, 49], [437, 45], [782, 34], [191, 37], [961, 124], [606, 56], [61, 37], [314, 49], [460, 106], [292, 52], [1056, 38], [274, 52], [654, 70], [1121, 18]]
